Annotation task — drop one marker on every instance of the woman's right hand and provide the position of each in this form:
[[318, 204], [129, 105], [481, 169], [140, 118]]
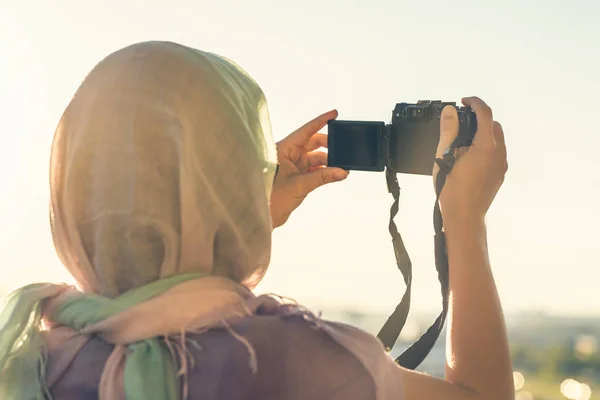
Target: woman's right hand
[[479, 169]]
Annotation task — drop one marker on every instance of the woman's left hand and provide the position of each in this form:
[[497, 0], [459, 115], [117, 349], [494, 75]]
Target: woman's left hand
[[302, 168]]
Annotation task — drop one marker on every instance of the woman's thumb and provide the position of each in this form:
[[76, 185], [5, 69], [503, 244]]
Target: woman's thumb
[[319, 177], [449, 127]]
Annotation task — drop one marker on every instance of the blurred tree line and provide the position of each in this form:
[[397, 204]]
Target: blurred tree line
[[558, 361]]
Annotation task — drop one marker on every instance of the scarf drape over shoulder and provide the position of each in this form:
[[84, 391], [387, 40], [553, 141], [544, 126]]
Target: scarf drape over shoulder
[[161, 173]]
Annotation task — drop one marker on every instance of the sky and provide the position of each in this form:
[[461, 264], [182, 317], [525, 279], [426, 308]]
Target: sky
[[536, 63]]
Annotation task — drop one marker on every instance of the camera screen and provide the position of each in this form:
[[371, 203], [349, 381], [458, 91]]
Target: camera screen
[[356, 145]]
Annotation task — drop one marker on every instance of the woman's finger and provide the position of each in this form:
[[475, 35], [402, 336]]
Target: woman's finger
[[501, 143], [306, 183], [317, 159], [499, 136], [449, 126], [484, 137], [317, 141], [302, 135]]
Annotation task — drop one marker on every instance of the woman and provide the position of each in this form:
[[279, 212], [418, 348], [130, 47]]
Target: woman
[[162, 170]]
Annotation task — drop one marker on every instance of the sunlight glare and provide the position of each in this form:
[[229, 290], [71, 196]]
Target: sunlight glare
[[519, 380], [524, 395], [574, 390]]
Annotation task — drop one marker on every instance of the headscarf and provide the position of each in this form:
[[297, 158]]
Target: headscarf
[[161, 172]]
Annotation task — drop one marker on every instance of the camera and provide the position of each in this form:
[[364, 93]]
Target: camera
[[407, 145]]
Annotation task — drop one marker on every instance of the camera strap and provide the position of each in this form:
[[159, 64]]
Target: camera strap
[[412, 357]]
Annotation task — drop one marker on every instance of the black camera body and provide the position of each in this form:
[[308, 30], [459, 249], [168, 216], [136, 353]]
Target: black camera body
[[407, 145]]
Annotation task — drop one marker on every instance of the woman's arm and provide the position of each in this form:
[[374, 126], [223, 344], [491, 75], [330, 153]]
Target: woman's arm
[[478, 359], [477, 352]]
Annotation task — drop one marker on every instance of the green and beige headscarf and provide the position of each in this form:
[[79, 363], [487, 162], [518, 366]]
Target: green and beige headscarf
[[161, 173]]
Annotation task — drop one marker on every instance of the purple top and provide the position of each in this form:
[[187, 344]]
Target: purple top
[[298, 357]]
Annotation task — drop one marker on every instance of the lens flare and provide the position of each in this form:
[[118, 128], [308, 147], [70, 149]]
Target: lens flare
[[574, 390], [519, 380]]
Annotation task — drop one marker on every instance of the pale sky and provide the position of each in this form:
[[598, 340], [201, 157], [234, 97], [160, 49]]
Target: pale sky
[[537, 63]]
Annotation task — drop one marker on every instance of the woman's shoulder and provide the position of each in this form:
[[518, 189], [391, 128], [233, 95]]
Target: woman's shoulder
[[331, 350], [297, 327], [296, 349]]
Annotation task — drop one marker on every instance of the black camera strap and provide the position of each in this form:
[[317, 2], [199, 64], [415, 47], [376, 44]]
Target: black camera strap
[[412, 357]]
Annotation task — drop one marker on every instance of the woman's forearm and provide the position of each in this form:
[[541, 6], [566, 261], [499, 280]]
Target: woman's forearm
[[478, 355]]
